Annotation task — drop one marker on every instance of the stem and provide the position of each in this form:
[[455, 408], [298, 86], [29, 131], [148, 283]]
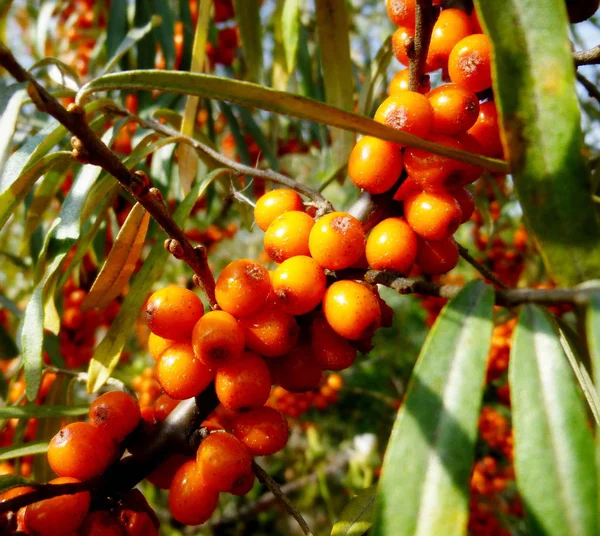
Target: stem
[[483, 270], [590, 87], [587, 57], [423, 20]]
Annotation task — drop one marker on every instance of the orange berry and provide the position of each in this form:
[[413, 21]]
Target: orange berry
[[163, 406], [401, 12], [116, 413], [191, 500], [271, 332], [162, 475], [60, 515], [375, 165], [455, 109], [262, 431], [243, 484], [401, 82], [172, 312], [466, 202], [217, 339], [101, 523], [437, 257], [337, 241], [298, 285], [451, 26], [351, 309], [486, 130], [297, 371], [470, 63], [157, 345], [180, 374], [408, 111], [331, 352], [274, 204], [244, 383], [223, 460], [287, 236], [402, 39], [433, 215], [81, 451], [243, 287], [408, 187], [335, 381], [477, 28], [581, 10], [392, 245]]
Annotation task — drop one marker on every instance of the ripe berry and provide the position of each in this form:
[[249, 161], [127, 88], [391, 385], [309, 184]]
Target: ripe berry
[[486, 130], [163, 406], [222, 459], [297, 371], [402, 39], [401, 82], [401, 12], [157, 345], [262, 431], [191, 500], [451, 26], [81, 451], [270, 332], [172, 312], [469, 64], [116, 414], [408, 187], [331, 351], [274, 204], [299, 285], [244, 383], [351, 309], [162, 476], [243, 484], [392, 245], [243, 287], [337, 241], [434, 215], [465, 200], [375, 165], [180, 374], [287, 236], [437, 257], [455, 109], [408, 111], [101, 523], [217, 339]]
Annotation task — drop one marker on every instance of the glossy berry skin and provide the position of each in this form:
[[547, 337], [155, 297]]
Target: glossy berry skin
[[263, 431], [437, 257], [408, 111], [455, 109], [191, 500], [217, 339], [59, 516], [351, 309], [275, 203], [337, 241], [157, 345], [172, 312], [116, 413], [244, 383], [401, 82], [434, 215], [243, 287], [162, 476], [223, 460], [375, 165], [330, 350], [81, 451], [163, 406], [400, 40], [408, 187], [470, 63], [298, 285], [401, 12], [486, 130], [466, 202], [450, 27], [287, 236], [243, 484], [101, 523], [180, 374], [392, 245], [297, 371], [270, 332]]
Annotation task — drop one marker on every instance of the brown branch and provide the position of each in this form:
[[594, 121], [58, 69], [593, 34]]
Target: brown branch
[[89, 148], [589, 86], [483, 270], [587, 57], [423, 23]]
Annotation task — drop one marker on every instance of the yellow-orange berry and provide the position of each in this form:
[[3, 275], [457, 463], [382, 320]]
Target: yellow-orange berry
[[331, 351], [408, 111], [298, 285], [217, 339], [274, 204], [172, 312], [450, 27], [287, 236], [433, 215], [391, 245], [270, 332], [157, 345], [455, 109], [243, 287], [298, 370], [116, 413], [469, 64], [401, 82], [191, 500], [262, 431], [180, 374], [437, 257], [375, 165], [401, 12]]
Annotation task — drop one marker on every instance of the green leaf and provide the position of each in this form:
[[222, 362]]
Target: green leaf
[[12, 481], [357, 517], [29, 449], [8, 348], [290, 27], [44, 24], [64, 68], [247, 16], [554, 447], [593, 335], [117, 26], [424, 485], [534, 86], [165, 32], [11, 99], [253, 95], [34, 411]]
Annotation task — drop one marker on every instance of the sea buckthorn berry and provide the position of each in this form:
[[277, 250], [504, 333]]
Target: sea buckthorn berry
[[270, 332], [101, 523], [402, 40], [455, 109], [298, 285], [351, 309], [433, 215], [466, 202], [274, 204], [223, 460], [580, 10], [162, 476], [335, 381], [180, 374], [469, 144], [297, 371], [191, 500], [469, 64], [287, 236], [163, 406], [157, 345], [486, 130], [408, 111], [337, 241], [331, 351], [243, 287], [375, 165], [451, 26], [81, 451], [401, 82], [217, 339], [401, 12], [244, 383], [477, 28], [392, 245], [243, 484], [262, 431], [437, 257], [116, 414], [137, 523], [60, 515], [172, 312], [408, 187]]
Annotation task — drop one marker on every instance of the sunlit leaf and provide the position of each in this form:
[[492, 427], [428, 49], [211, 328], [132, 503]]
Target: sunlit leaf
[[29, 449], [11, 99], [247, 16], [357, 516], [35, 411], [290, 27]]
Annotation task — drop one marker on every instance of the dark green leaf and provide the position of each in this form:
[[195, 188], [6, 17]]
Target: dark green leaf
[[247, 15], [117, 26], [165, 32], [290, 27], [357, 517]]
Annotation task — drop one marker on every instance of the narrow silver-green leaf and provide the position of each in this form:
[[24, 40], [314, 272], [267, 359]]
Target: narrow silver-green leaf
[[424, 485], [35, 411], [290, 29], [554, 446], [29, 449], [11, 99], [357, 517], [247, 15]]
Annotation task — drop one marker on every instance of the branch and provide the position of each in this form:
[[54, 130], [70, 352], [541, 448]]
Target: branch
[[590, 87], [89, 148], [587, 57], [423, 23], [483, 270]]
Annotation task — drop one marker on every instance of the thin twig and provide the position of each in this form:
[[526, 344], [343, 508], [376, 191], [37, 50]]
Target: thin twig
[[483, 270], [587, 57], [589, 86], [423, 20]]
